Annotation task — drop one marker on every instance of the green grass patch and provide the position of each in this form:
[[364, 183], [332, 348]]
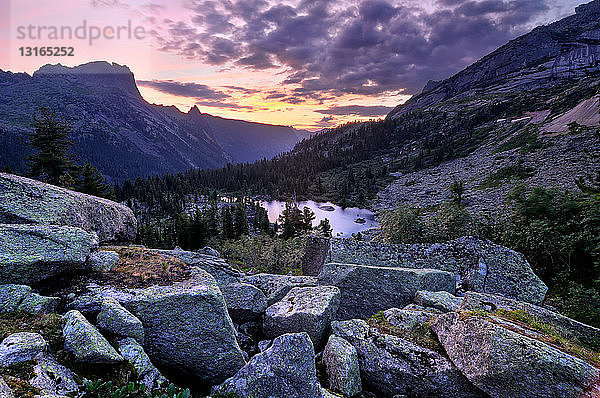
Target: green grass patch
[[511, 172], [526, 140], [421, 334]]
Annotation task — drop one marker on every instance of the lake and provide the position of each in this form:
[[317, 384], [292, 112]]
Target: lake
[[342, 220]]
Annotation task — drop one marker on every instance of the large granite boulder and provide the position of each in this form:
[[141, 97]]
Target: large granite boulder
[[315, 254], [25, 201], [32, 253], [245, 302], [508, 360], [147, 373], [391, 365], [52, 378], [366, 290], [85, 341], [567, 327], [116, 320], [442, 301], [187, 327], [22, 298], [479, 265], [275, 287], [341, 364], [303, 309], [408, 317], [103, 260], [21, 347], [286, 369], [223, 273]]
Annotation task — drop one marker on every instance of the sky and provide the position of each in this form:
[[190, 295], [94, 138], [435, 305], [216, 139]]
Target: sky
[[311, 64]]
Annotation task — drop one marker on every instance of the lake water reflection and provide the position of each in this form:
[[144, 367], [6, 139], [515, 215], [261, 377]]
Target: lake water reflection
[[343, 221]]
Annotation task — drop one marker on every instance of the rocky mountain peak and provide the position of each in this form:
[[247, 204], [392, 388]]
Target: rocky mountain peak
[[543, 57]]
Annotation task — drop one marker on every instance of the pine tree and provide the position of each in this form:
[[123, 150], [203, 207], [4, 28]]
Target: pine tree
[[324, 228], [227, 231], [51, 163], [240, 220], [92, 182]]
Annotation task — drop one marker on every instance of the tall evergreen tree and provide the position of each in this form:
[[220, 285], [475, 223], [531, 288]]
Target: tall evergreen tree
[[92, 182], [51, 163], [227, 229], [240, 220]]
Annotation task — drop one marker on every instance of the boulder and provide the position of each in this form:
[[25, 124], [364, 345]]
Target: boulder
[[366, 290], [341, 364], [53, 378], [103, 260], [187, 327], [315, 254], [286, 369], [245, 302], [479, 265], [391, 366], [25, 201], [275, 287], [85, 341], [567, 327], [263, 345], [5, 391], [32, 253], [303, 309], [209, 251], [21, 347], [407, 318], [21, 298], [223, 273], [147, 373], [442, 301], [503, 362], [116, 320]]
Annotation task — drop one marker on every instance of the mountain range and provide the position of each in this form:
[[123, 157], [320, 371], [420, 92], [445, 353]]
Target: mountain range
[[119, 132]]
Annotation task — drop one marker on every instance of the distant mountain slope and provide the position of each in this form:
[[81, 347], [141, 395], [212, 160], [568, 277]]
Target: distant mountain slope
[[564, 49], [121, 133]]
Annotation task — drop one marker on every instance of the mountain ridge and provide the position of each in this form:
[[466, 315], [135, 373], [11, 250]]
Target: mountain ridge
[[116, 129]]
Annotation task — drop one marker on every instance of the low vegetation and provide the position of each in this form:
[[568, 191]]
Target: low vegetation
[[139, 267]]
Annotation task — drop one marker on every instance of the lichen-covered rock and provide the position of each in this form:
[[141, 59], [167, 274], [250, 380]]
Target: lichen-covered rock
[[220, 269], [52, 378], [407, 318], [86, 342], [315, 254], [276, 287], [505, 363], [263, 345], [303, 309], [286, 369], [341, 364], [245, 302], [187, 328], [32, 253], [21, 347], [146, 371], [21, 298], [209, 251], [25, 201], [567, 327], [479, 265], [442, 301], [116, 320], [390, 365], [366, 290], [103, 260], [5, 391]]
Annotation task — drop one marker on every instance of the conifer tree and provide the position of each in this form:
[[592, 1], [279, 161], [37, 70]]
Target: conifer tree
[[227, 231], [51, 163], [92, 182]]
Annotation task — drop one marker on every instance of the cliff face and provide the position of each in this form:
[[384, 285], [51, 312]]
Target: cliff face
[[564, 49]]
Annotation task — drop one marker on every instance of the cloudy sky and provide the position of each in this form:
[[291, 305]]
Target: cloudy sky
[[307, 63]]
